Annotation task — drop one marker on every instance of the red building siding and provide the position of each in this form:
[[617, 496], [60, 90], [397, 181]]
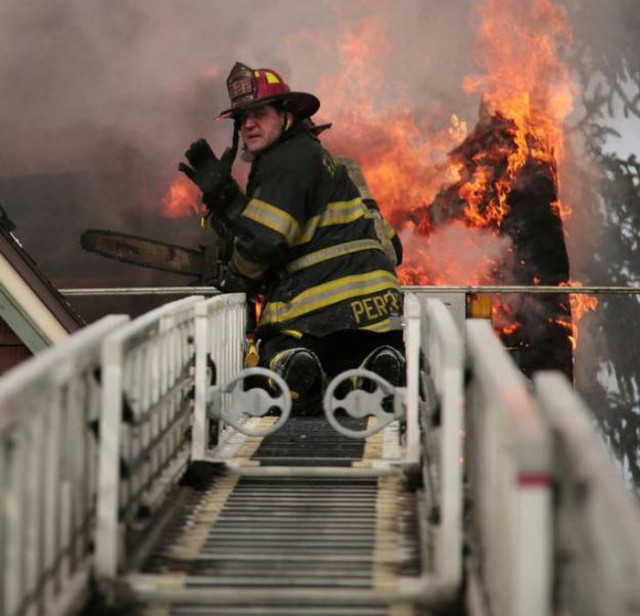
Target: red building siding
[[12, 351]]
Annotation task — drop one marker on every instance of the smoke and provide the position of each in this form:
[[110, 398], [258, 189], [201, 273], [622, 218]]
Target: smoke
[[88, 84], [457, 254], [100, 99]]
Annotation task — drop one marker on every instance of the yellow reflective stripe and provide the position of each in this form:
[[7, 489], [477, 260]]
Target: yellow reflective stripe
[[329, 293], [332, 252], [277, 358], [248, 268], [336, 213], [389, 230], [294, 333], [274, 218], [381, 326]]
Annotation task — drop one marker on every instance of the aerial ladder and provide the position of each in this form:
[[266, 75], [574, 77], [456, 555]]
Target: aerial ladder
[[144, 468]]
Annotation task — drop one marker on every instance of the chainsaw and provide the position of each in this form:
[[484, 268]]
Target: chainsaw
[[204, 263]]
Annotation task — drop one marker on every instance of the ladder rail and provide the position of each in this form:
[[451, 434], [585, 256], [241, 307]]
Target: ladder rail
[[220, 341], [144, 423], [597, 522], [508, 460], [48, 447], [443, 349]]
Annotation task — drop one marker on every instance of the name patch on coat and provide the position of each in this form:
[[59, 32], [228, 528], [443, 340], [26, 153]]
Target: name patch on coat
[[376, 307]]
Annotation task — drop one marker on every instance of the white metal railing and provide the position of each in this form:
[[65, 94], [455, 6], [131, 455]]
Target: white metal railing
[[443, 349], [508, 460], [49, 407], [146, 382], [597, 523], [144, 423], [435, 365], [220, 336]]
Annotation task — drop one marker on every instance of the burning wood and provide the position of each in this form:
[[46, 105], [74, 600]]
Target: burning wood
[[511, 199]]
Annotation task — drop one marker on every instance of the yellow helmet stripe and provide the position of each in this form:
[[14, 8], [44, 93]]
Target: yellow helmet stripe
[[271, 78]]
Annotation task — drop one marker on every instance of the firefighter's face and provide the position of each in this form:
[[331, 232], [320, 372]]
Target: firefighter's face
[[260, 127]]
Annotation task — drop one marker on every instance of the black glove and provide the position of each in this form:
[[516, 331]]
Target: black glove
[[210, 174], [236, 283]]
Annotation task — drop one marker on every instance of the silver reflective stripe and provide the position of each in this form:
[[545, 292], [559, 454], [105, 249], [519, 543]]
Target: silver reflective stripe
[[274, 218], [336, 213], [331, 253]]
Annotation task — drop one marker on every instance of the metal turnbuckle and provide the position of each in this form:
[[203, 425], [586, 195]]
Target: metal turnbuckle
[[245, 399], [359, 403]]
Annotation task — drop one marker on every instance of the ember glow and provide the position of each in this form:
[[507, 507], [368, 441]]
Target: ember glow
[[181, 199]]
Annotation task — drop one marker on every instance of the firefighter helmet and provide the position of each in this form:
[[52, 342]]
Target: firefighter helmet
[[249, 87]]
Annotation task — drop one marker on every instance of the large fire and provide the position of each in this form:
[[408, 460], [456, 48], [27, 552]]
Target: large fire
[[456, 196], [522, 81], [467, 218]]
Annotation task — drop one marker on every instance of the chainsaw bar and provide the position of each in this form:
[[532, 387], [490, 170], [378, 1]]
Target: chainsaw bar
[[150, 253]]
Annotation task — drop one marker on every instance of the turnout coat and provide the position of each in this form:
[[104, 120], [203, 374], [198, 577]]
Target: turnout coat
[[309, 241]]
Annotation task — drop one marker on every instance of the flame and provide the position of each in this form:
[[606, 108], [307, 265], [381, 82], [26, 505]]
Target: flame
[[408, 157], [581, 304], [562, 209], [403, 153], [525, 81], [181, 199], [419, 167], [416, 158], [503, 317]]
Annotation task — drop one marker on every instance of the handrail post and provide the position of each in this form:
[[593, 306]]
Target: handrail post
[[509, 460], [200, 420], [107, 538], [412, 354]]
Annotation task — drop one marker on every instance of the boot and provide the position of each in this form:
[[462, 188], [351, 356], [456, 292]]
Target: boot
[[388, 363], [303, 373]]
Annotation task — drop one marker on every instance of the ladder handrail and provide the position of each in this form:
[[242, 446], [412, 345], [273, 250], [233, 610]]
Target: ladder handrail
[[136, 378], [48, 451], [220, 335], [146, 413], [508, 461], [442, 343], [597, 521]]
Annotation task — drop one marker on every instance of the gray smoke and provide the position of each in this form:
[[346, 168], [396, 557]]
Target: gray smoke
[[89, 85], [100, 98]]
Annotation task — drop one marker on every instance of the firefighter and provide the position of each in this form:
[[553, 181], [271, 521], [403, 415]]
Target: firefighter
[[305, 238]]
